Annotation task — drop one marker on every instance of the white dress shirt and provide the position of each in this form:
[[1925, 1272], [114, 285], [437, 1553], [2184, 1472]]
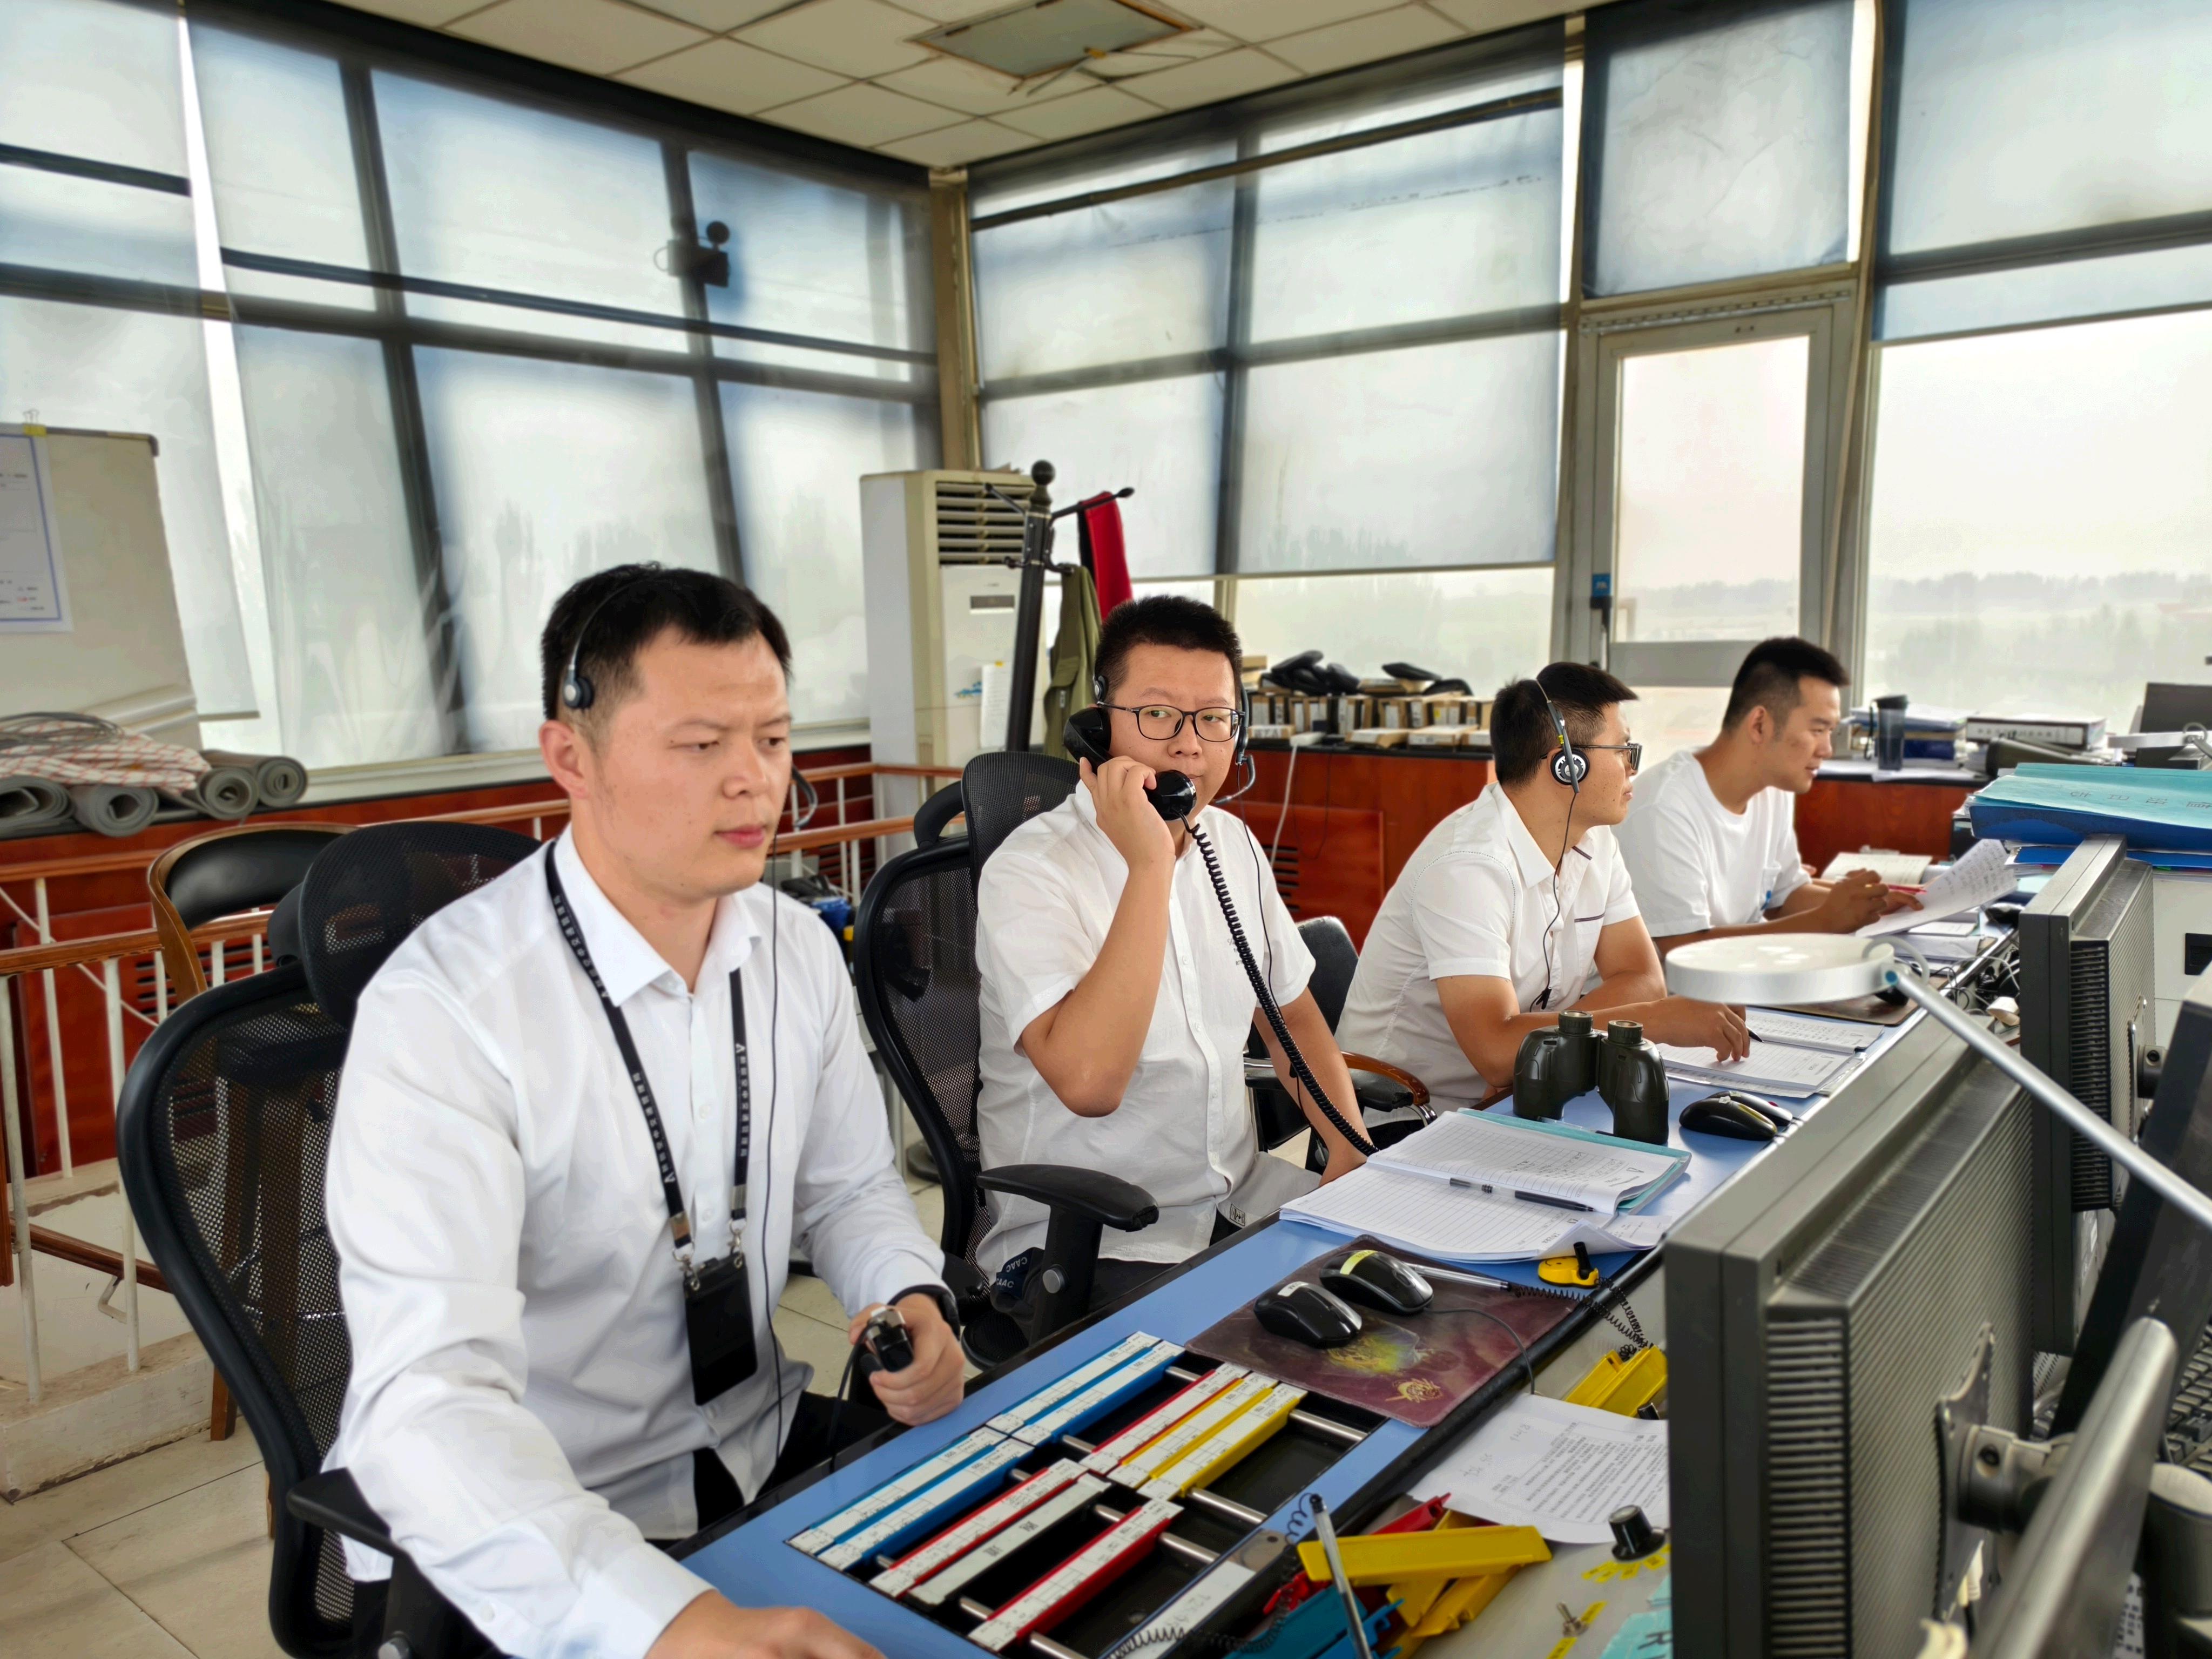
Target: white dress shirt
[[520, 1407], [1184, 1129], [1477, 897], [1696, 864]]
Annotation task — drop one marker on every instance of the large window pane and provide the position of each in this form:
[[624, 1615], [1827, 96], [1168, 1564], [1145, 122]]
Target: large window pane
[[2041, 533], [509, 197], [1440, 455], [95, 78], [796, 460], [1718, 140], [1163, 437], [64, 223], [346, 604], [1709, 508], [546, 472], [1485, 627]]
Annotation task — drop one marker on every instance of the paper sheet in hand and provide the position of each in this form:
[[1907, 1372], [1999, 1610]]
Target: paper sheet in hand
[[1775, 1068], [1897, 869], [1559, 1469], [1429, 1218], [1984, 876]]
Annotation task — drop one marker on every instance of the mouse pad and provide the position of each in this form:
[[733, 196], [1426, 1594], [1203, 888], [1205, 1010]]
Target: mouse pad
[[1414, 1367]]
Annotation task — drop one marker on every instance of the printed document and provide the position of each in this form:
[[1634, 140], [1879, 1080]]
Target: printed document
[[1562, 1469], [1428, 1216], [1983, 875], [1480, 1152]]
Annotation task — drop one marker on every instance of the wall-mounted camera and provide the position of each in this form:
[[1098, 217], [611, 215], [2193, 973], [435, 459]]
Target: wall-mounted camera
[[707, 262]]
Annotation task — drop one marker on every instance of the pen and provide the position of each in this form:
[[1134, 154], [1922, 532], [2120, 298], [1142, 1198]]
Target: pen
[[1532, 1198]]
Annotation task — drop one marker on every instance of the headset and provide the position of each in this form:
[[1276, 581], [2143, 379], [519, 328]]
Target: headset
[[1569, 767], [1246, 770]]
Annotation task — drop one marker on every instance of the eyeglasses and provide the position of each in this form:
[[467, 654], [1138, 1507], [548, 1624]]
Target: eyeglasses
[[1160, 723], [1633, 751]]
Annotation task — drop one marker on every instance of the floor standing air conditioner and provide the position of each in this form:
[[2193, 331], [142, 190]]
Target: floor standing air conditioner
[[937, 556]]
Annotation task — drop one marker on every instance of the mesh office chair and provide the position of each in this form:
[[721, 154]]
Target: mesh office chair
[[223, 873], [222, 1132]]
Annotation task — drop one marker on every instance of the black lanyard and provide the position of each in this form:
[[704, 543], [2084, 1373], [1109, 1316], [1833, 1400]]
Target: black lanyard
[[679, 1217]]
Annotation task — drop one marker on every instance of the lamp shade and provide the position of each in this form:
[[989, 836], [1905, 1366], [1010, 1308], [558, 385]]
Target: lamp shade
[[1779, 967]]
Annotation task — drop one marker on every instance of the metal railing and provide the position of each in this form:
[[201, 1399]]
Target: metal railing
[[850, 849]]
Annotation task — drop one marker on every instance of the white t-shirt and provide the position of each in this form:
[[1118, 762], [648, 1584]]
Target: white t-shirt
[[1477, 897], [1184, 1130], [1695, 864]]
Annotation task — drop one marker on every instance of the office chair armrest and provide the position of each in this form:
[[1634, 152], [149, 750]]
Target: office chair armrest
[[1406, 1080], [1087, 1194], [331, 1501]]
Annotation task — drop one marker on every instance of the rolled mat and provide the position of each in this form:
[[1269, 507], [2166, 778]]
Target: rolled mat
[[25, 800], [227, 792], [278, 780], [112, 810]]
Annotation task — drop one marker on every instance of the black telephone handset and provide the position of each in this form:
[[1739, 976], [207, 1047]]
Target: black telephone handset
[[1088, 735]]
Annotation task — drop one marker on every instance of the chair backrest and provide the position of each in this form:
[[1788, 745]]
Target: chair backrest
[[221, 873], [1336, 958], [222, 1131], [376, 887], [932, 816], [913, 961], [1002, 790]]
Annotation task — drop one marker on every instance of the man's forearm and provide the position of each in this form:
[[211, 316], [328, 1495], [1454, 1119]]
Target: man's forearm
[[1317, 1043], [1624, 988], [1096, 1034], [1807, 920]]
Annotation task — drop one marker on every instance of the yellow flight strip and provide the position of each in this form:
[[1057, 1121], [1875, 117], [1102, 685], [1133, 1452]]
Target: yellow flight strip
[[1214, 1455]]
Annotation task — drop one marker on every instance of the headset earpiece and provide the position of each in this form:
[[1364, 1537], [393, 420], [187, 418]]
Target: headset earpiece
[[1568, 766], [803, 811], [577, 690]]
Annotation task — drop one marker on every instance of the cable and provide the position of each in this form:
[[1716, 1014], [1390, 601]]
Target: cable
[[1299, 1069], [1558, 907], [1290, 776], [1521, 1346], [844, 1386]]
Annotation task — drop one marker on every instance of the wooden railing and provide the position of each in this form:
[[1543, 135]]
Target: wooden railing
[[857, 844]]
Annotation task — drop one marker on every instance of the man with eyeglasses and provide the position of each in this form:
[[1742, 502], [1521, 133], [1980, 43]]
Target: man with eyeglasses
[[1518, 905], [1115, 1009]]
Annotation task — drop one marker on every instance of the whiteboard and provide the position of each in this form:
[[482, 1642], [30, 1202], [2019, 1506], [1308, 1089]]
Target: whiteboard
[[122, 653]]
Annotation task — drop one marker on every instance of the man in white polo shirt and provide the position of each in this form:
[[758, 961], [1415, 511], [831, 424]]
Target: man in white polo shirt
[[1115, 1008], [1511, 906], [1711, 842]]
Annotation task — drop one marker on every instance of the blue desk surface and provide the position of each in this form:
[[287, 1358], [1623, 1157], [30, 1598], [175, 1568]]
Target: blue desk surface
[[753, 1565]]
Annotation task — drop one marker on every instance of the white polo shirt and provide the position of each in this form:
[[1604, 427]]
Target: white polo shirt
[[1183, 1131], [1477, 897], [1696, 864]]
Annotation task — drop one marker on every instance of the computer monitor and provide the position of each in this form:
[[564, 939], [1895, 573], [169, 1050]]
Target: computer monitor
[[2086, 1017], [2168, 707], [1873, 1264]]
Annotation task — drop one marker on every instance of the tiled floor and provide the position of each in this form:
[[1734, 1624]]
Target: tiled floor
[[166, 1555]]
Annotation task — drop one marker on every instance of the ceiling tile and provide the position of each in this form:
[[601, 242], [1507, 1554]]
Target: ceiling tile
[[862, 114], [428, 13], [1364, 40], [1162, 54], [852, 37], [952, 147], [951, 11], [972, 87], [1087, 112], [1268, 19], [1482, 15], [732, 76], [1229, 76], [715, 15], [598, 35]]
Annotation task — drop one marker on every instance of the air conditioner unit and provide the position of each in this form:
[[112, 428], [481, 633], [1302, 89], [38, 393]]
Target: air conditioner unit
[[937, 551]]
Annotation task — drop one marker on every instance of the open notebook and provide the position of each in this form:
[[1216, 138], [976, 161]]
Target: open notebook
[[1516, 1155]]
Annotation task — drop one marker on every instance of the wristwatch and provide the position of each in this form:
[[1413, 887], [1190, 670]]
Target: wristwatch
[[936, 1293]]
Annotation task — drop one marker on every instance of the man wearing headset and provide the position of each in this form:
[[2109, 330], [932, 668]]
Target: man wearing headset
[[587, 1111], [1115, 1007], [1518, 905]]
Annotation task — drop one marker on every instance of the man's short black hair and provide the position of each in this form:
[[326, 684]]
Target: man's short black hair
[[1768, 679], [623, 610], [1522, 735], [1166, 619]]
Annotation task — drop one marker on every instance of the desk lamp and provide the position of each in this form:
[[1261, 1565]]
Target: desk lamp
[[1814, 967]]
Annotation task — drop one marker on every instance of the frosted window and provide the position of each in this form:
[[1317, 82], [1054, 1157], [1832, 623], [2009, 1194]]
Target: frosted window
[[796, 461], [1162, 436], [1443, 455], [2040, 539], [64, 223], [1709, 511], [92, 78], [1718, 140], [546, 472], [1485, 627], [345, 600]]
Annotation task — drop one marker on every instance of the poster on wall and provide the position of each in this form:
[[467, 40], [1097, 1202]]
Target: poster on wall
[[34, 592]]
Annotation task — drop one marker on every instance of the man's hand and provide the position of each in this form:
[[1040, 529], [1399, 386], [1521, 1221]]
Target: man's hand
[[1127, 814], [711, 1627], [1858, 899], [1343, 1158], [930, 1387], [1685, 1024]]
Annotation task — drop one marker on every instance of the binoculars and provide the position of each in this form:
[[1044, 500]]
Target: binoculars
[[1554, 1066]]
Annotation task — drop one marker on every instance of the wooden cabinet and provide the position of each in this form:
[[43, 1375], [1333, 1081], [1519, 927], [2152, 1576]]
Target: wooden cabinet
[[1842, 815]]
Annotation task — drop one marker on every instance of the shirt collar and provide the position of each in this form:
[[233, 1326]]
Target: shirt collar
[[1534, 862], [626, 963]]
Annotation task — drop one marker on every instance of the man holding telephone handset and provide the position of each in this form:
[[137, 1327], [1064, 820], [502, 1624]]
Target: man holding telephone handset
[[1116, 1007], [586, 1112]]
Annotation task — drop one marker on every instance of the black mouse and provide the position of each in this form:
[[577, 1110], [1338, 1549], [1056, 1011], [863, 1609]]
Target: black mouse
[[1781, 1117], [1306, 1313], [1729, 1117], [1377, 1280]]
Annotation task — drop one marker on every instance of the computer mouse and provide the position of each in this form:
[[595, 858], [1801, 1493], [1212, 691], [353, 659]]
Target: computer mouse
[[1781, 1117], [1723, 1116], [1377, 1280], [1306, 1313]]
